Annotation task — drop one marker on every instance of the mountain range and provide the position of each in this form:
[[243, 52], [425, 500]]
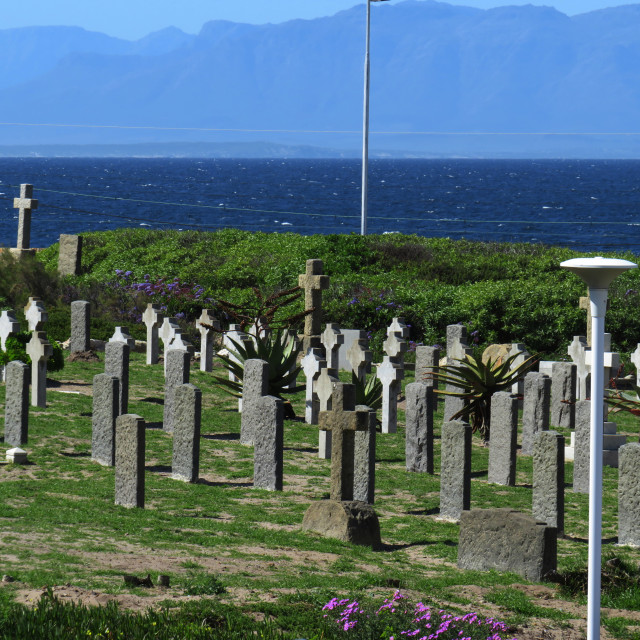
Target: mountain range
[[517, 71]]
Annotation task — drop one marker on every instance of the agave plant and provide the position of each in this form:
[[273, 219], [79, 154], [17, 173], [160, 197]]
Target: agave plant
[[625, 401], [476, 382], [368, 392], [279, 350]]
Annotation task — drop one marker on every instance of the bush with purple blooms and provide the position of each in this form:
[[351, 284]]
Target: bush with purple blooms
[[398, 618]]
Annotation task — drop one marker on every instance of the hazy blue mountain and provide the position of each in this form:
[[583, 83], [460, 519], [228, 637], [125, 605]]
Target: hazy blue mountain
[[435, 68]]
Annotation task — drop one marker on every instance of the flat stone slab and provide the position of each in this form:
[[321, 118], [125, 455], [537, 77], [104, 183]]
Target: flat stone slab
[[506, 540], [349, 521]]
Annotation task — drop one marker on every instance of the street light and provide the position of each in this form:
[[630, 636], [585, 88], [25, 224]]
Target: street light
[[598, 273], [365, 125]]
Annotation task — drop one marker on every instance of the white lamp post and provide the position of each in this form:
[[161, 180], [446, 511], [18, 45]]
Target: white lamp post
[[598, 273], [365, 125]]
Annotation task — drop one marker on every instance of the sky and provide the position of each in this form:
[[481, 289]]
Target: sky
[[133, 19]]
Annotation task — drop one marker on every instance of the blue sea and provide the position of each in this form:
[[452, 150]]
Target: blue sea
[[583, 204]]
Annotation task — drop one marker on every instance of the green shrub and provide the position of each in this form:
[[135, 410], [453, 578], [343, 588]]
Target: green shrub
[[16, 349]]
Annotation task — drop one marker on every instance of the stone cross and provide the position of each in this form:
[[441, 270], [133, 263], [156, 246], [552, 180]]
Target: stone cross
[[168, 331], [343, 421], [178, 363], [25, 204], [121, 334], [577, 351], [35, 314], [16, 406], [419, 432], [312, 365], [629, 495], [332, 338], [325, 384], [268, 456], [503, 439], [255, 385], [398, 326], [39, 350], [455, 470], [80, 326], [8, 326], [457, 349], [548, 479], [535, 408], [152, 318], [207, 324], [106, 409], [360, 357], [130, 444], [635, 360], [391, 375], [187, 411], [395, 347], [313, 283], [116, 363]]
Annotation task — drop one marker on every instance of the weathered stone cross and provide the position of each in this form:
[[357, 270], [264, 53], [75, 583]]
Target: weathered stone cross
[[343, 421], [8, 325], [332, 338], [206, 324], [39, 350], [25, 204], [359, 356], [313, 283], [35, 314]]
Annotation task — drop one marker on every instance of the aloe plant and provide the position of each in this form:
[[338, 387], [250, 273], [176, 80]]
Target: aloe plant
[[476, 382], [276, 348]]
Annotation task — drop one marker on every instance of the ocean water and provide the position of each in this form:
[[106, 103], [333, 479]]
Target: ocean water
[[582, 204]]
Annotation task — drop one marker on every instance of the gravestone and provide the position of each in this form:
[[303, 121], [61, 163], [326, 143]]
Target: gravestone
[[582, 444], [563, 394], [548, 479], [611, 363], [207, 324], [629, 495], [635, 359], [187, 411], [390, 375], [312, 365], [268, 448], [80, 326], [457, 349], [16, 406], [8, 326], [332, 339], [419, 432], [106, 408], [167, 333], [455, 470], [121, 334], [503, 439], [25, 205], [585, 305], [324, 390], [342, 516], [255, 385], [578, 353], [116, 363], [313, 283], [178, 364], [153, 319], [427, 363], [35, 314], [70, 255], [364, 473], [535, 408], [360, 357], [395, 347], [39, 350], [130, 444], [506, 540]]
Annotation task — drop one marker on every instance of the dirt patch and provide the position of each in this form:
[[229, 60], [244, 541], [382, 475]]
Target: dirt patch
[[83, 356]]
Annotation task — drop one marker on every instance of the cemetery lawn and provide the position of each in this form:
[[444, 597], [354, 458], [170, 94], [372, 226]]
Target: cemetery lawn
[[237, 556]]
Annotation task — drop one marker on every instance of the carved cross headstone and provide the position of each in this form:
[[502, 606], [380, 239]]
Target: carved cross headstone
[[121, 334], [8, 325], [207, 324], [578, 353], [312, 365], [399, 326], [332, 338], [395, 347], [39, 350], [635, 359], [390, 374], [359, 356], [327, 380], [168, 331], [25, 204], [313, 283], [343, 422], [152, 318], [35, 314]]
